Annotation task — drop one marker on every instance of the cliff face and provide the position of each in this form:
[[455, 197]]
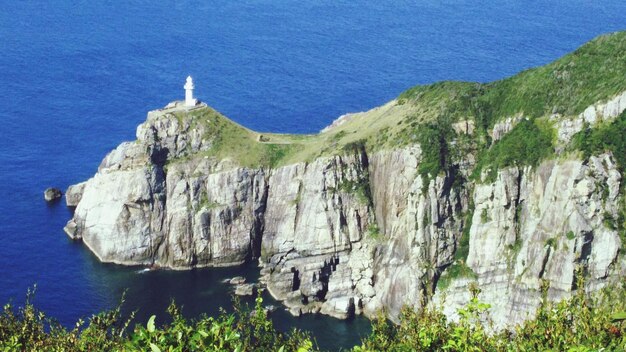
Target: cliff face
[[355, 232]]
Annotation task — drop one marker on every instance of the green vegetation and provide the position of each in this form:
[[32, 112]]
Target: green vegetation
[[608, 137], [437, 116], [373, 231], [484, 217], [527, 143], [516, 246], [551, 242], [456, 270], [568, 85], [462, 251], [28, 329], [434, 140], [360, 188], [577, 324], [570, 235], [230, 140]]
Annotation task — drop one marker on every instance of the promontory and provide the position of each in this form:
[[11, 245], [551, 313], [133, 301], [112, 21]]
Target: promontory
[[515, 184]]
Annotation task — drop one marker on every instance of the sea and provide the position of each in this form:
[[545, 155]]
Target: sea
[[77, 77]]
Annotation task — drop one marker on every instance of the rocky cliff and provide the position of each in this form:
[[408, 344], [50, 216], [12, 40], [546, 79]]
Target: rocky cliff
[[352, 225]]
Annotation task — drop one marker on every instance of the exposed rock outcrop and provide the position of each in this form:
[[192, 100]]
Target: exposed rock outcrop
[[74, 194], [52, 194], [539, 225], [356, 232]]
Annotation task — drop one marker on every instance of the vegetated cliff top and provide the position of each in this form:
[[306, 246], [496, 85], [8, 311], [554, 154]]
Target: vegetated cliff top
[[594, 72]]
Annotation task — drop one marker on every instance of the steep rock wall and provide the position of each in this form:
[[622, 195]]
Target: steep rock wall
[[356, 232]]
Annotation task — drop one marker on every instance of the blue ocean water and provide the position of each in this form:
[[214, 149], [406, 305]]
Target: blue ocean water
[[77, 77]]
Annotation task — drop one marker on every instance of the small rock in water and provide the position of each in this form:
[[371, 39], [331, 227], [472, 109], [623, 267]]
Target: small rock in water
[[52, 194], [245, 290], [71, 229], [237, 280], [296, 312]]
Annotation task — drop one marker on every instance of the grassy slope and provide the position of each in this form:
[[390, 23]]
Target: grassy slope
[[593, 73]]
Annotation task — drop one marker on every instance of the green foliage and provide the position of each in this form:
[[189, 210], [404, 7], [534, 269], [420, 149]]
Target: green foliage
[[457, 270], [434, 139], [592, 73], [570, 235], [609, 221], [335, 138], [576, 324], [204, 202], [580, 323], [621, 221], [619, 316], [359, 188], [373, 231], [354, 147], [516, 246], [274, 153], [608, 137], [527, 143], [551, 242], [462, 251], [30, 330], [484, 217]]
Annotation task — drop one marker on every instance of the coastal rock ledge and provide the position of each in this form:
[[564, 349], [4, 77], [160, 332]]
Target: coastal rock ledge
[[353, 231]]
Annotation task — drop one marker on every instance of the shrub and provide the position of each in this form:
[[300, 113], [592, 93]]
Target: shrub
[[30, 330], [608, 137], [580, 323], [528, 143]]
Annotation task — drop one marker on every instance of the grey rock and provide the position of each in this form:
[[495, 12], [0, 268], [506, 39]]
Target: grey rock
[[71, 229], [312, 228], [74, 193], [52, 194], [245, 289], [296, 312], [237, 280]]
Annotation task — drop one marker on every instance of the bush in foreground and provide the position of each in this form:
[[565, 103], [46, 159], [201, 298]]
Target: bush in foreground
[[576, 324]]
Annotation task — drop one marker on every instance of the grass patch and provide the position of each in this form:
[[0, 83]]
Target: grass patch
[[484, 216], [462, 251], [424, 114], [608, 137], [455, 271], [434, 141], [527, 143], [360, 188], [516, 246], [373, 231]]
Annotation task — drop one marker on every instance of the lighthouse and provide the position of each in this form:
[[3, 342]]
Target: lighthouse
[[189, 99]]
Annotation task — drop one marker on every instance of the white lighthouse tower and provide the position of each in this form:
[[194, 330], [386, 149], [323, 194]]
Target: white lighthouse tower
[[189, 99]]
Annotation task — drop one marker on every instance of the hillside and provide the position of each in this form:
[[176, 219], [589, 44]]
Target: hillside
[[593, 73], [513, 185]]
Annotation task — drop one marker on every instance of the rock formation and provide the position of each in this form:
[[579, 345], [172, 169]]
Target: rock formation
[[358, 230], [51, 194]]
